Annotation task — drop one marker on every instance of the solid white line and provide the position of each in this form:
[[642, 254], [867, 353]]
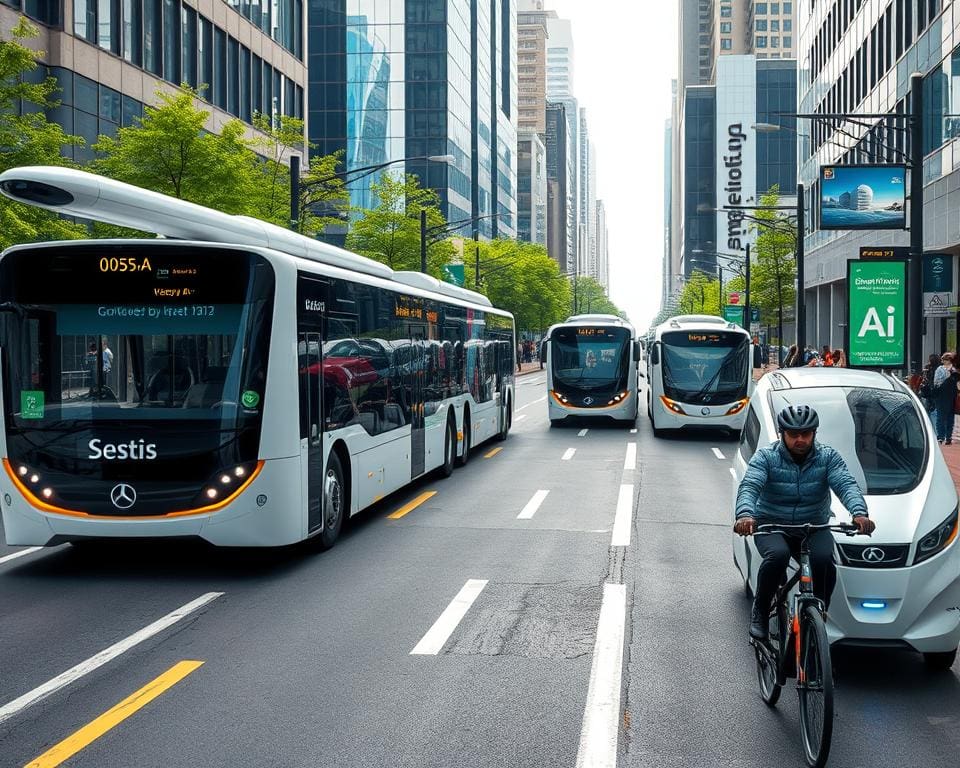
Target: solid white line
[[533, 505], [442, 628], [601, 716], [521, 417], [582, 433], [718, 453], [630, 460], [533, 403], [15, 555], [621, 521], [569, 454], [108, 654], [633, 431]]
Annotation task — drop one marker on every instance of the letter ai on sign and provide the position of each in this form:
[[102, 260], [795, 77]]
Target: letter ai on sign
[[876, 305]]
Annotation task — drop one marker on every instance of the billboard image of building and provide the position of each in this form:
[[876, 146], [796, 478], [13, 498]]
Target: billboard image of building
[[862, 197]]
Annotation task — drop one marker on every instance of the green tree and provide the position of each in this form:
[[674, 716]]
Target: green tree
[[591, 297], [390, 232], [29, 139], [774, 271]]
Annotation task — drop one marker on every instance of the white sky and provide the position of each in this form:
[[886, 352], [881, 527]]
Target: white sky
[[625, 54]]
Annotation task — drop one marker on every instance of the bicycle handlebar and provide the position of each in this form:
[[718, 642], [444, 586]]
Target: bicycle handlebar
[[846, 528]]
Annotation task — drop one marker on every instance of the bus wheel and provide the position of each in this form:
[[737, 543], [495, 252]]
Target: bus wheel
[[449, 449], [507, 422], [462, 460], [334, 502]]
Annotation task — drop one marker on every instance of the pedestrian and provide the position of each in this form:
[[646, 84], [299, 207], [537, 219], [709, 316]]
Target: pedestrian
[[839, 358], [945, 381], [827, 355], [790, 359], [815, 361], [925, 387], [519, 356]]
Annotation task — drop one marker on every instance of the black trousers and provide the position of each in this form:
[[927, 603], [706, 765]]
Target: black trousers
[[776, 549]]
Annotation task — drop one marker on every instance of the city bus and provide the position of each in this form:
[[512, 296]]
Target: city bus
[[699, 374], [230, 380], [592, 369]]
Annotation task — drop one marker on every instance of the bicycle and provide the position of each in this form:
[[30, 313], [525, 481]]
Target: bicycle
[[797, 646]]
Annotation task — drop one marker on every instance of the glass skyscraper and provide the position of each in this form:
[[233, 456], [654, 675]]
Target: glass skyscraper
[[391, 79]]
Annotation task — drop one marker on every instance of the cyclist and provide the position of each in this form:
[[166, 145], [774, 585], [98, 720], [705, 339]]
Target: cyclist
[[789, 482]]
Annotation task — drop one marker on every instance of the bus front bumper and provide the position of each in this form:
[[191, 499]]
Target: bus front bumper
[[673, 414]]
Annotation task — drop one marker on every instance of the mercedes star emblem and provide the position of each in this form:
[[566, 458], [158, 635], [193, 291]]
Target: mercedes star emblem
[[873, 554], [588, 401], [123, 496], [705, 411]]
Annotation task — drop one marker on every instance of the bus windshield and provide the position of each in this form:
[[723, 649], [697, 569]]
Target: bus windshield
[[705, 367], [590, 358], [110, 337]]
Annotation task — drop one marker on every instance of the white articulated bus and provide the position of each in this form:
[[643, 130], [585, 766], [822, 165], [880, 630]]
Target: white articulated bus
[[242, 384], [592, 369], [699, 374]]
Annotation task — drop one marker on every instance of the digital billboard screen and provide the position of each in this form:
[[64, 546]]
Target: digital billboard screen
[[862, 197]]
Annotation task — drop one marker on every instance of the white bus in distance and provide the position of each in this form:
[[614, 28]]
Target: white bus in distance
[[242, 384], [592, 369], [699, 375]]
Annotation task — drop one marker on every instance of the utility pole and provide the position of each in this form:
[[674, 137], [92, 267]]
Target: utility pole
[[915, 274], [801, 313], [746, 304], [295, 193]]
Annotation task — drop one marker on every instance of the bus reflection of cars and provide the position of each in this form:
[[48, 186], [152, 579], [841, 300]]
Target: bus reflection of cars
[[699, 375], [902, 586], [592, 369]]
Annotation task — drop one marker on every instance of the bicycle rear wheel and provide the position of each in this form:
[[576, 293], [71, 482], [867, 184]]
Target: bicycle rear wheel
[[768, 659], [815, 688]]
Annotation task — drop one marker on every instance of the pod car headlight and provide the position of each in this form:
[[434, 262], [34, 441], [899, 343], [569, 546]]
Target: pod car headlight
[[938, 539]]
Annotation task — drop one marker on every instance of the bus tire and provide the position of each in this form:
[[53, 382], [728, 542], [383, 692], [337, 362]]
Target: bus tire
[[507, 421], [449, 448], [334, 502], [465, 457]]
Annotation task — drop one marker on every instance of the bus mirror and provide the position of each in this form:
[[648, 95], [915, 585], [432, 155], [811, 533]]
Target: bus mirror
[[655, 354], [637, 351]]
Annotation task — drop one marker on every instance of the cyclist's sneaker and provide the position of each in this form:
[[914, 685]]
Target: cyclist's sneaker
[[759, 623]]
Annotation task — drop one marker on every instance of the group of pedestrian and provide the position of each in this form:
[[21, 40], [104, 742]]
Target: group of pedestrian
[[526, 352], [797, 358], [938, 390]]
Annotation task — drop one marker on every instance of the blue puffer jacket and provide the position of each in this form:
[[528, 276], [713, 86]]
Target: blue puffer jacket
[[777, 489]]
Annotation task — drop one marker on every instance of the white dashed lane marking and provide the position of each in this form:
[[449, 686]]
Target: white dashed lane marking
[[718, 453]]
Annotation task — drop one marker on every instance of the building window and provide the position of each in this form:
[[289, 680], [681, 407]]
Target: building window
[[760, 9], [85, 19], [133, 32], [152, 36], [761, 25], [220, 68], [788, 25], [760, 41], [245, 85], [190, 46], [725, 12], [171, 41], [233, 76], [725, 44], [787, 41], [726, 27], [787, 9], [774, 42], [108, 25], [774, 9], [205, 59], [774, 25]]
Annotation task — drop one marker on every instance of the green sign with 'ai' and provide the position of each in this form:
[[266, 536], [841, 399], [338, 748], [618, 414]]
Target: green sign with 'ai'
[[877, 309]]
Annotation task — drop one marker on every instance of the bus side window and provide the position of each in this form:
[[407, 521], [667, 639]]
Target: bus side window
[[750, 435]]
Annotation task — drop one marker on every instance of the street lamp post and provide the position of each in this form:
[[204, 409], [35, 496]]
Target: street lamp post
[[444, 229]]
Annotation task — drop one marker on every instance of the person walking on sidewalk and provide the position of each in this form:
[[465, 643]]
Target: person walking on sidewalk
[[944, 396]]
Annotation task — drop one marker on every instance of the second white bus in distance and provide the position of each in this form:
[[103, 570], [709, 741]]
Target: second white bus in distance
[[699, 374], [592, 369]]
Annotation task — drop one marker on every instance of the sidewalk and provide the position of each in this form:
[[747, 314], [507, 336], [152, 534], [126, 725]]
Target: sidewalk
[[526, 368]]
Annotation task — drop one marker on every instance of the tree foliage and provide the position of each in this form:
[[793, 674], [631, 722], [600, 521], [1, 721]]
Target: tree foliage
[[29, 138], [390, 232], [774, 271]]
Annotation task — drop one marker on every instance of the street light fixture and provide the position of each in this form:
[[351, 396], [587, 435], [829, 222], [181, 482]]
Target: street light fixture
[[297, 187]]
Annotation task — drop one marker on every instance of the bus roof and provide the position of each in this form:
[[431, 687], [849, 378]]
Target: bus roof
[[697, 322], [89, 196]]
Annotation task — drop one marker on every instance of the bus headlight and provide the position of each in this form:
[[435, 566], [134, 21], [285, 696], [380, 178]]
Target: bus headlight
[[618, 398], [738, 406], [562, 399], [672, 405], [226, 483]]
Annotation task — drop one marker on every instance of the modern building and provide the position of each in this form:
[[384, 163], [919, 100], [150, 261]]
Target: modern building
[[559, 200], [860, 62], [420, 78], [770, 27], [110, 58], [532, 66], [587, 200], [532, 188], [667, 262], [603, 247]]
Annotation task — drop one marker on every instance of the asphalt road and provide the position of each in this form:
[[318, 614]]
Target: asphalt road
[[567, 600]]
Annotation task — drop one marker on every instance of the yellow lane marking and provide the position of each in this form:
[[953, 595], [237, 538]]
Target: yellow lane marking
[[407, 508], [493, 453], [114, 716]]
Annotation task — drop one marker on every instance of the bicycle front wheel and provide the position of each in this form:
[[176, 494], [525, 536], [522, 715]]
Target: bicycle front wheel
[[815, 687]]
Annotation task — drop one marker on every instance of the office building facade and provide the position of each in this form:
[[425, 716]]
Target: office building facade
[[559, 239], [109, 59], [532, 67], [420, 78], [603, 246], [531, 188], [862, 64]]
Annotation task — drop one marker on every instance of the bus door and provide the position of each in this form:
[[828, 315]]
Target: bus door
[[418, 372], [309, 350]]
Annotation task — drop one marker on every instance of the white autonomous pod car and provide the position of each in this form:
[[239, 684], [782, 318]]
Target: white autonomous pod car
[[901, 586]]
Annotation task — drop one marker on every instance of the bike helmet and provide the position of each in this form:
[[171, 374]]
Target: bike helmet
[[798, 417]]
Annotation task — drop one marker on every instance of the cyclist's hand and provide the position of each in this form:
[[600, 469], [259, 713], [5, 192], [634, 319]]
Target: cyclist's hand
[[745, 526], [865, 524]]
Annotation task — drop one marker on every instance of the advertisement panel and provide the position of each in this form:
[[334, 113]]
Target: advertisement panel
[[862, 197], [733, 314], [876, 313]]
